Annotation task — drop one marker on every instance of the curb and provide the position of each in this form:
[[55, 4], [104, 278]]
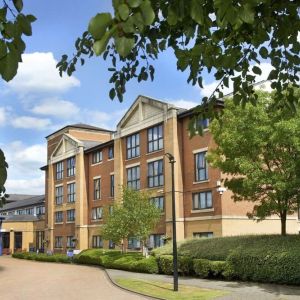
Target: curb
[[127, 290]]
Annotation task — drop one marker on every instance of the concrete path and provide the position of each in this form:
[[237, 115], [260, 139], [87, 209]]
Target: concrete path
[[238, 290], [29, 280]]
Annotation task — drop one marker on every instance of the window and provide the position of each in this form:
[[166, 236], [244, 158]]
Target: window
[[59, 170], [203, 234], [112, 185], [71, 241], [59, 217], [133, 146], [133, 178], [40, 210], [204, 123], [111, 244], [97, 188], [200, 167], [97, 213], [70, 215], [29, 211], [155, 138], [59, 195], [156, 240], [110, 152], [71, 192], [58, 242], [155, 173], [71, 166], [134, 243], [97, 157], [97, 241], [110, 209], [158, 202], [202, 200]]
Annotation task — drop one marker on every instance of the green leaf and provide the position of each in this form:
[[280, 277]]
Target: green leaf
[[9, 66], [172, 16], [18, 5], [147, 12], [197, 12], [31, 18], [3, 49], [124, 45], [138, 21], [123, 11], [112, 94], [128, 26], [24, 24], [98, 25], [134, 3], [256, 70], [263, 51], [100, 45], [3, 12], [246, 14]]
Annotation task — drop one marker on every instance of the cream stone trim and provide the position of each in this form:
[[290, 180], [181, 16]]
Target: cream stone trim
[[132, 165], [111, 159], [96, 164], [155, 159], [112, 173], [72, 181], [202, 181], [97, 177], [58, 185], [197, 211], [200, 150], [95, 226], [156, 151]]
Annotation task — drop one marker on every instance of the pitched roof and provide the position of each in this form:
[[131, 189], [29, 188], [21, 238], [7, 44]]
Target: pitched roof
[[33, 200], [21, 218]]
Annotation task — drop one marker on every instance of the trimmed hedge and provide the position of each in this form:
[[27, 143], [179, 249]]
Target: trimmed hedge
[[205, 268], [62, 258]]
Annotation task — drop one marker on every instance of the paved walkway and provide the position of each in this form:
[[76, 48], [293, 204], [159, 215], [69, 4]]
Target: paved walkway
[[238, 290], [30, 280]]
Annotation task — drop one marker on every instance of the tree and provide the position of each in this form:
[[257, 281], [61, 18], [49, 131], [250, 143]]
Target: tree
[[135, 217], [3, 176], [259, 148]]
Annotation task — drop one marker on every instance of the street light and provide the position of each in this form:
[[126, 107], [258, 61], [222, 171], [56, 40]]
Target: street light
[[175, 272]]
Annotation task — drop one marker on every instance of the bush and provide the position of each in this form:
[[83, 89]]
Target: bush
[[185, 265], [165, 264], [42, 257], [205, 268], [146, 265]]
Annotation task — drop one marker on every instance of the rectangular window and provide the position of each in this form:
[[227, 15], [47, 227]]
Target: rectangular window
[[134, 243], [97, 157], [97, 188], [133, 178], [111, 244], [97, 241], [204, 123], [59, 217], [203, 234], [59, 170], [156, 240], [158, 202], [58, 242], [112, 185], [155, 138], [59, 195], [155, 173], [40, 210], [71, 242], [29, 211], [70, 215], [202, 200], [201, 167], [97, 213], [71, 192], [133, 146], [110, 152], [110, 209], [71, 166]]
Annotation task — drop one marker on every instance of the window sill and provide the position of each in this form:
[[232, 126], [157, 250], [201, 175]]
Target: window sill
[[71, 202], [68, 177], [132, 158], [197, 211], [155, 187], [59, 223], [156, 151], [70, 222], [110, 159], [96, 164], [97, 199], [97, 220], [60, 204], [202, 181]]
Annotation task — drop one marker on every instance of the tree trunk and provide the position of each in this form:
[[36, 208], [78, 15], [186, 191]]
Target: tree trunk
[[283, 222]]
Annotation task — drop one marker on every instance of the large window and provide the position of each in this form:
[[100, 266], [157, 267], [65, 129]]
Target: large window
[[59, 195], [59, 170], [155, 173], [59, 217], [202, 200], [29, 211], [158, 202], [203, 234], [40, 210], [200, 167], [133, 146], [97, 157], [156, 240], [155, 138], [97, 213], [112, 185], [134, 243], [71, 241], [71, 166], [58, 242], [110, 152], [97, 241], [97, 188], [70, 215], [133, 178], [71, 192]]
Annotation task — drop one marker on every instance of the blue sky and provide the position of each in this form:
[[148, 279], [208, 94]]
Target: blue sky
[[38, 101]]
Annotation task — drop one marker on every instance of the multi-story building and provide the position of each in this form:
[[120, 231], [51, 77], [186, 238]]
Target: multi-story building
[[87, 166]]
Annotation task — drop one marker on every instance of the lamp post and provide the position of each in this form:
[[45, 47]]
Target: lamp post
[[175, 272]]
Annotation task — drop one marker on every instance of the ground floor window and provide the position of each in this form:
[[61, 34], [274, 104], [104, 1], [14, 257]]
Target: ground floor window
[[203, 234], [97, 241], [70, 242], [40, 236], [156, 240], [134, 243], [18, 240], [5, 240], [58, 242]]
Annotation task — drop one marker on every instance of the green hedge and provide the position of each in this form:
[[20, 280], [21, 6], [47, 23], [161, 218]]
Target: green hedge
[[205, 268], [62, 258]]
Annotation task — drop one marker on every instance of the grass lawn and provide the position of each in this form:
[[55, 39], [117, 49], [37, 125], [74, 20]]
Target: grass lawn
[[164, 290]]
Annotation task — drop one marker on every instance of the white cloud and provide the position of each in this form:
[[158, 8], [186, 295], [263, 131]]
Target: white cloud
[[26, 122], [56, 107], [34, 186], [3, 116], [183, 103], [37, 73]]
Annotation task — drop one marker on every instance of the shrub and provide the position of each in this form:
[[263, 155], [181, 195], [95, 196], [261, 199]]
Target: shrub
[[185, 265], [165, 264], [205, 268], [42, 257], [146, 265], [202, 267]]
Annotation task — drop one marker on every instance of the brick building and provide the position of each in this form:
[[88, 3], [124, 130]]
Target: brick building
[[87, 166]]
